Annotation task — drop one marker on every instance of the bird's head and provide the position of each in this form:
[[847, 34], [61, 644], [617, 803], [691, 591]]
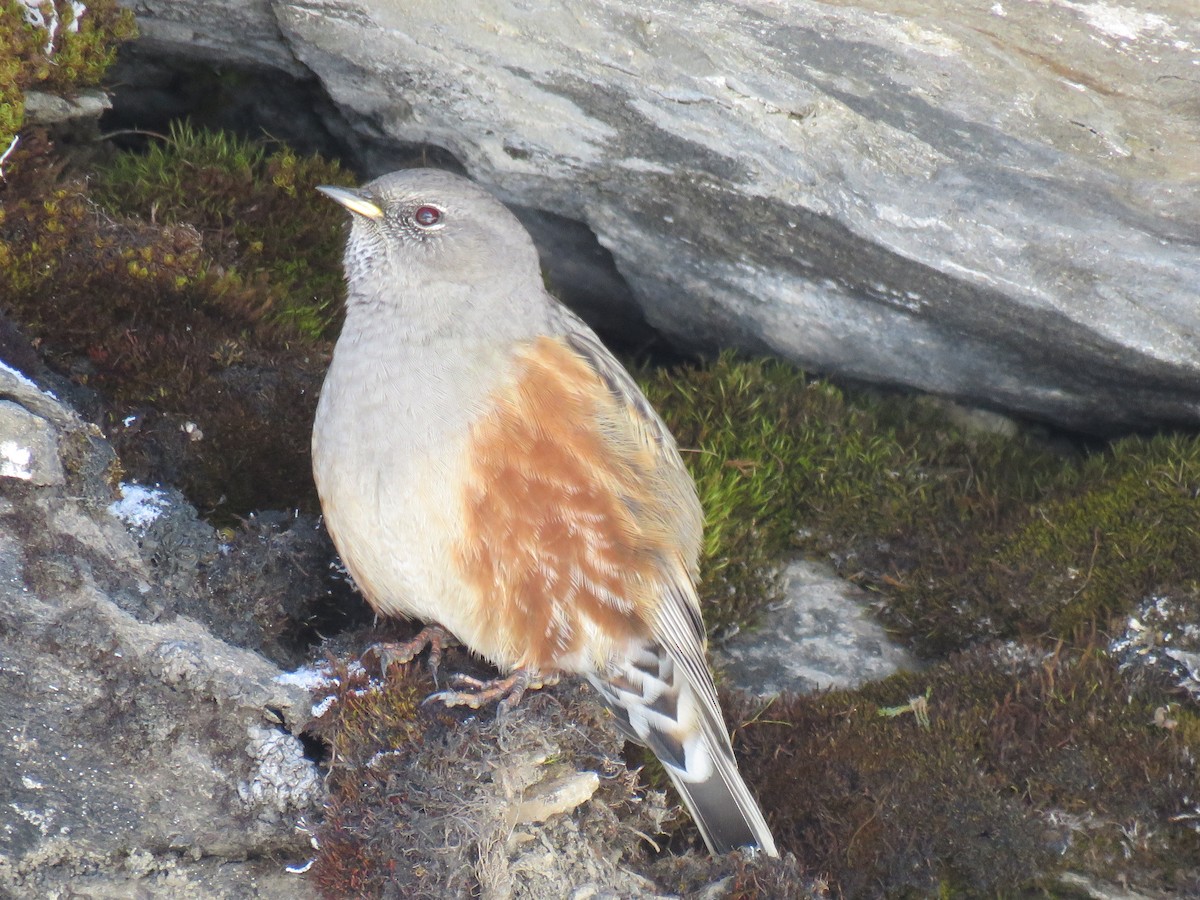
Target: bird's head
[[424, 233]]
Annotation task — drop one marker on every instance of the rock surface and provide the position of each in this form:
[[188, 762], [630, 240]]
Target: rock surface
[[992, 200], [820, 637], [138, 752]]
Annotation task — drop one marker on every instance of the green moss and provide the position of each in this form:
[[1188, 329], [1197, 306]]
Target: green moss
[[78, 56], [256, 209], [784, 463], [730, 422], [1095, 539], [182, 323], [364, 720], [1129, 526], [965, 536]]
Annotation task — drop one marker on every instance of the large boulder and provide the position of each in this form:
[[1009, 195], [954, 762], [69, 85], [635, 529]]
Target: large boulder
[[994, 201], [138, 751]]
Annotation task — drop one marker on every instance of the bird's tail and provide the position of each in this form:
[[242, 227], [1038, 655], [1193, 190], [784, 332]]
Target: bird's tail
[[657, 705]]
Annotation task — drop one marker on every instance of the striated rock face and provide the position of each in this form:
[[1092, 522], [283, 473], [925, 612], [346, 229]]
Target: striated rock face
[[138, 752], [992, 200]]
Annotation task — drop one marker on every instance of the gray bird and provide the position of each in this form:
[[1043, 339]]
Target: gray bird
[[485, 465]]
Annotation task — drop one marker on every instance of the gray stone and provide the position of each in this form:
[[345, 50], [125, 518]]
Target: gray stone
[[20, 389], [139, 754], [995, 201], [820, 636], [28, 449], [50, 109]]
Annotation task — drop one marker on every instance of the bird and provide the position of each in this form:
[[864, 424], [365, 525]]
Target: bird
[[486, 466]]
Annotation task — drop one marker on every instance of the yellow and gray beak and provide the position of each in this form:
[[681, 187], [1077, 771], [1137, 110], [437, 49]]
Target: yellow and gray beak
[[352, 200]]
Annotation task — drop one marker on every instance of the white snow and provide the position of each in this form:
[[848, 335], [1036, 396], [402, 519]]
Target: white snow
[[307, 678], [319, 709], [139, 506], [24, 379], [311, 678], [14, 461]]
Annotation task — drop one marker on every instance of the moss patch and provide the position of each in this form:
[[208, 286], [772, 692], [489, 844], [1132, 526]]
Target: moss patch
[[75, 55], [1101, 535], [1035, 760], [201, 334], [785, 463], [424, 801], [254, 208], [965, 536], [1124, 525], [361, 724]]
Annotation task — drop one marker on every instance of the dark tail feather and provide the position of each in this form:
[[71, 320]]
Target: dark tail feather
[[726, 813]]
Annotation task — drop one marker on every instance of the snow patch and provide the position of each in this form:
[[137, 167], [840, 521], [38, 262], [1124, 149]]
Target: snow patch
[[15, 460], [139, 506], [307, 678], [319, 709], [314, 678], [24, 379]]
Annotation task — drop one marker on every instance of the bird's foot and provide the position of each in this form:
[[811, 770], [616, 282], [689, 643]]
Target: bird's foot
[[390, 653], [508, 691]]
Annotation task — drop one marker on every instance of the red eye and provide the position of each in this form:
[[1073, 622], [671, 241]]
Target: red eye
[[427, 216]]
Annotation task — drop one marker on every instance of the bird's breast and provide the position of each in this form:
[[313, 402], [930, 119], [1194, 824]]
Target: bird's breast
[[388, 459]]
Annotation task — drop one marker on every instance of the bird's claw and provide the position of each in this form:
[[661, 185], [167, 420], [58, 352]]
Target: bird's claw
[[476, 693], [390, 653]]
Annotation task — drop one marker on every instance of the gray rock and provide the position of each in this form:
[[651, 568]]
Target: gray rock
[[50, 109], [993, 201], [139, 754], [29, 451], [820, 636]]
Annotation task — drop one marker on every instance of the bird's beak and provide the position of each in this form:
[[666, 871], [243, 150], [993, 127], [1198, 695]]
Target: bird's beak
[[352, 200]]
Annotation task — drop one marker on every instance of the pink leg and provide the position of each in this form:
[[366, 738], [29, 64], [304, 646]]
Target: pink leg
[[390, 653], [508, 690]]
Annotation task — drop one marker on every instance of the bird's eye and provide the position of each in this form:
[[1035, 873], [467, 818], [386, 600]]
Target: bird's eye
[[427, 216]]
